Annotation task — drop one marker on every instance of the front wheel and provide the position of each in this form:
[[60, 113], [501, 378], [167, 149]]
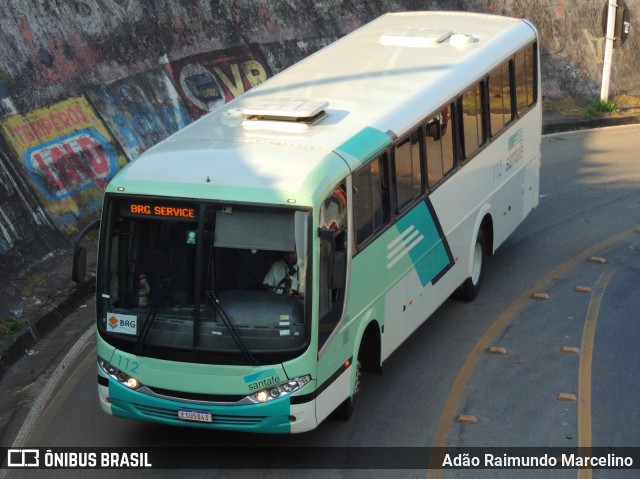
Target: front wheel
[[344, 411], [471, 287]]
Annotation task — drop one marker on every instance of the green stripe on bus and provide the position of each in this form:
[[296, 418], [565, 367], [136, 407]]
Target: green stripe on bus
[[422, 243], [364, 144], [413, 242]]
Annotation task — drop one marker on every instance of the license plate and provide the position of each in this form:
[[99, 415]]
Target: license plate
[[195, 415]]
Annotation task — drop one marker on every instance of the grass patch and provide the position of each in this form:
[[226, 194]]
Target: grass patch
[[50, 296], [11, 327], [600, 106]]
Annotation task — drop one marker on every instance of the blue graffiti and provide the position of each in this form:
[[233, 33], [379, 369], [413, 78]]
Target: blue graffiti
[[143, 126], [140, 123]]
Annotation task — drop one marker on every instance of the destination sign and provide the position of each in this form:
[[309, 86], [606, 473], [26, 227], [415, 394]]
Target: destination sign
[[159, 210]]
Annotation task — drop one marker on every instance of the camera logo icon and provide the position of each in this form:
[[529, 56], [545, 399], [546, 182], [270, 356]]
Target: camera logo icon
[[23, 458]]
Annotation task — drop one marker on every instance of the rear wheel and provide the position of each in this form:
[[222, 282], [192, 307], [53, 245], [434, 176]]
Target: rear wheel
[[471, 287]]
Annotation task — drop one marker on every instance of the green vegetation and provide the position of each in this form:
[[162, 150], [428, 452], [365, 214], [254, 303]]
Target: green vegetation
[[11, 327], [51, 295], [600, 106]]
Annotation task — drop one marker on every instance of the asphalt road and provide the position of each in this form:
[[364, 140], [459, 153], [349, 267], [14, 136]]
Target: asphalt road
[[505, 370]]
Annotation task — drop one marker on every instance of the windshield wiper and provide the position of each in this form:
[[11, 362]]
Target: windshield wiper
[[233, 331], [151, 317]]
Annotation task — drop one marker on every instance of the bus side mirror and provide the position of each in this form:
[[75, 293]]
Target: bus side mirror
[[79, 266], [433, 130]]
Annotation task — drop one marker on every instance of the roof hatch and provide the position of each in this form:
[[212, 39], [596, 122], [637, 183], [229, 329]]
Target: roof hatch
[[283, 114], [287, 109]]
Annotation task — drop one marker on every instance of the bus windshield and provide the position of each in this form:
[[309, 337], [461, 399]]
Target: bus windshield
[[203, 282]]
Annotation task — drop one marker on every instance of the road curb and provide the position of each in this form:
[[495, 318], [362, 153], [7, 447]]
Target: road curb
[[588, 123], [53, 381], [43, 325]]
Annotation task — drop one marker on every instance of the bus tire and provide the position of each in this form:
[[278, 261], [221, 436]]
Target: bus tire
[[344, 411], [469, 290]]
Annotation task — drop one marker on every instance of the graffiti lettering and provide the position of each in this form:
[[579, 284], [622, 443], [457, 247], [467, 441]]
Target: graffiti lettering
[[204, 88], [71, 164], [208, 80], [141, 110], [44, 126], [252, 70], [236, 87], [146, 122]]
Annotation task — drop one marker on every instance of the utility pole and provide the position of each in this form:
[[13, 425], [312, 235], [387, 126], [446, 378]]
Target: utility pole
[[608, 49]]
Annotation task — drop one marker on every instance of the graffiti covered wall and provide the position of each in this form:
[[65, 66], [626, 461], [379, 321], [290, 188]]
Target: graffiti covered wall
[[67, 156], [88, 85]]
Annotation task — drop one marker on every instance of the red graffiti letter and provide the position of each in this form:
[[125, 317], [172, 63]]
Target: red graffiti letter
[[94, 150], [55, 182]]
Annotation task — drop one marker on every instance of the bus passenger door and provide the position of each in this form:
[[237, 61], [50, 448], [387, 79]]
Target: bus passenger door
[[333, 263], [332, 277]]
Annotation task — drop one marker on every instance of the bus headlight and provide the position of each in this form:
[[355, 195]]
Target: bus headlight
[[120, 376], [279, 390]]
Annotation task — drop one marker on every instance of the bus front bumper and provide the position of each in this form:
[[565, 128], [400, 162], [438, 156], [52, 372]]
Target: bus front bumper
[[279, 416]]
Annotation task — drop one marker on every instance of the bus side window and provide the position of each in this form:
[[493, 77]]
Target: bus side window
[[439, 146], [472, 124], [370, 209], [407, 170], [499, 87], [525, 75]]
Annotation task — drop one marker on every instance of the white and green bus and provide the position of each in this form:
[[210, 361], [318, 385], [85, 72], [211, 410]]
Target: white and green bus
[[384, 168]]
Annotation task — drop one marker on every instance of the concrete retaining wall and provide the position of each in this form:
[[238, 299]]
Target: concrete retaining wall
[[88, 85]]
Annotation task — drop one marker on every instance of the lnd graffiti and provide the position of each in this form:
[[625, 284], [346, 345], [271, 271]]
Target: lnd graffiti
[[72, 163]]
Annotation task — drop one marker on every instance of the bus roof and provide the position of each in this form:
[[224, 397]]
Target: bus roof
[[294, 136]]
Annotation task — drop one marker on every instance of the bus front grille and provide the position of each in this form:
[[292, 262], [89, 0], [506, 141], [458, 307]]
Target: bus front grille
[[152, 412]]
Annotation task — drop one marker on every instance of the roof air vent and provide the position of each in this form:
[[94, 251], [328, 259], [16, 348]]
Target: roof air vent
[[461, 40], [415, 37]]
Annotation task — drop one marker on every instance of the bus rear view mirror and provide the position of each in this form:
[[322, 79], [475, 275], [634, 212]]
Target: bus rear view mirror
[[79, 266], [433, 130]]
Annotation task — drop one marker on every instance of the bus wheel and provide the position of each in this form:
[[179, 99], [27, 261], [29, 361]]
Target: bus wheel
[[471, 287], [344, 411]]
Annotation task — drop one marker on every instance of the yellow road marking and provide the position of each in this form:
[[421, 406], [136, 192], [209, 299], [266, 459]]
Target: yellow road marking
[[540, 296], [597, 259], [570, 349], [566, 397], [448, 415], [498, 350], [585, 368], [467, 418], [582, 289]]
